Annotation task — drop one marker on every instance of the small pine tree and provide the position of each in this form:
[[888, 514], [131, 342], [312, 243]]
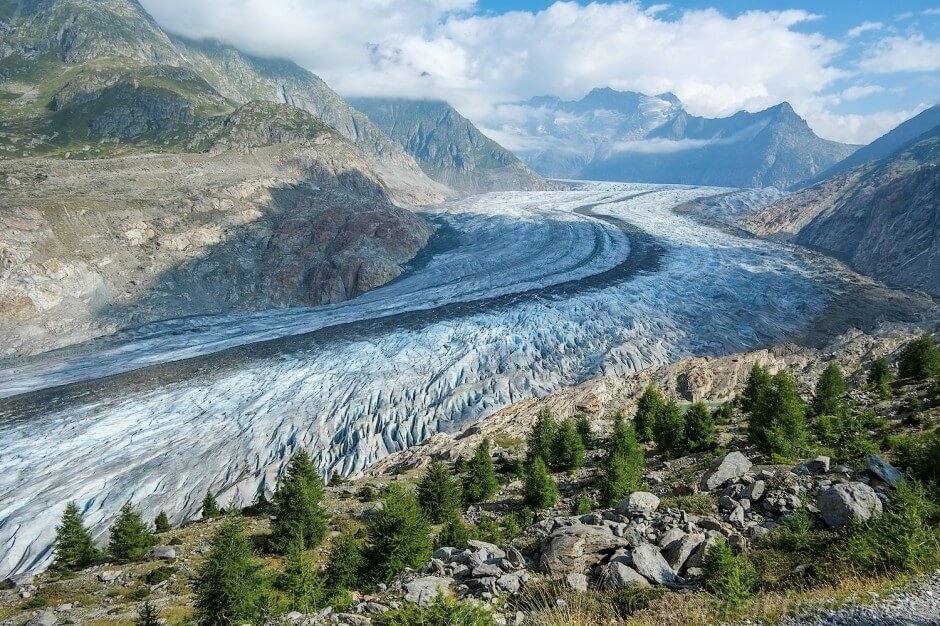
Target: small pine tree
[[230, 586], [303, 589], [335, 479], [542, 438], [778, 420], [567, 447], [758, 382], [648, 409], [582, 504], [880, 376], [162, 523], [622, 469], [700, 428], [148, 615], [299, 518], [830, 389], [583, 424], [131, 539], [399, 536], [540, 490], [480, 483], [455, 534], [920, 359], [210, 507], [726, 575], [439, 493], [344, 570], [669, 430], [74, 548]]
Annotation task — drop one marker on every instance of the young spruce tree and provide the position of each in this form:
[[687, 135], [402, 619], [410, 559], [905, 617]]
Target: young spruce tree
[[344, 570], [480, 481], [778, 420], [583, 424], [880, 377], [298, 517], [148, 615], [920, 359], [210, 507], [540, 490], [231, 585], [542, 438], [439, 493], [162, 523], [131, 539], [399, 535], [700, 428], [567, 448], [830, 389], [303, 588], [74, 548], [648, 409], [758, 382], [669, 430], [622, 469]]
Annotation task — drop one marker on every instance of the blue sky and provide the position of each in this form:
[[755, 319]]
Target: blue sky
[[853, 68]]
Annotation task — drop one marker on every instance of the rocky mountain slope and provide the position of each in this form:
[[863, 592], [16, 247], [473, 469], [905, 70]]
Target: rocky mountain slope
[[449, 148], [632, 137], [883, 218], [144, 176]]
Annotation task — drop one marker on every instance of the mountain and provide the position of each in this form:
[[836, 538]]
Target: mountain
[[888, 143], [632, 137], [448, 147], [146, 176], [883, 218]]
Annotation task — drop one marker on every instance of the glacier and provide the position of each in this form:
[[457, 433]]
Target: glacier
[[538, 291]]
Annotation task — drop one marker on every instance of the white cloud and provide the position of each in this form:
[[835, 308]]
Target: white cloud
[[857, 92], [914, 53], [858, 128], [664, 146], [865, 27]]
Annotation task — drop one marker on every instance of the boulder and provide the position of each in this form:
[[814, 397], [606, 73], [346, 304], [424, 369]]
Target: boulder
[[638, 503], [482, 546], [46, 618], [819, 465], [884, 471], [755, 491], [678, 552], [617, 575], [840, 504], [670, 537], [731, 467], [511, 583], [648, 561], [576, 548], [698, 556], [108, 576], [422, 591], [164, 553], [577, 582]]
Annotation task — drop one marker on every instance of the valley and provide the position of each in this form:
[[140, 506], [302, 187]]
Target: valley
[[536, 292]]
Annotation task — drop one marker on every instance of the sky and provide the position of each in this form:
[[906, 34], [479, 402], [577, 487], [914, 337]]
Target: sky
[[853, 68]]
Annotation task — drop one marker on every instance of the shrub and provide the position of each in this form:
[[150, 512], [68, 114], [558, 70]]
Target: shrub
[[480, 483], [778, 421], [158, 575], [298, 517], [366, 494], [230, 586], [130, 537], [399, 536], [148, 615], [582, 504], [669, 430], [726, 575], [455, 534], [210, 507], [162, 523], [439, 493], [879, 376], [304, 590], [335, 479], [796, 532], [933, 392], [921, 453], [700, 428], [622, 469], [567, 448], [443, 611], [696, 504], [74, 548], [847, 434], [920, 359], [583, 424], [344, 570], [830, 389], [541, 440], [648, 409], [540, 491]]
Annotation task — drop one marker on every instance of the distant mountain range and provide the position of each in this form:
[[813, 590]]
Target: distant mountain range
[[448, 147], [633, 137], [879, 212]]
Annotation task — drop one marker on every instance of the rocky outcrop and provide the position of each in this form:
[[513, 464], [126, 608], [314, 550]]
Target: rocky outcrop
[[840, 505]]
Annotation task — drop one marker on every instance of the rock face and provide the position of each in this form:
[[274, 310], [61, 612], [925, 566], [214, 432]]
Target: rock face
[[575, 548], [880, 218], [633, 137], [840, 505], [638, 503], [448, 147]]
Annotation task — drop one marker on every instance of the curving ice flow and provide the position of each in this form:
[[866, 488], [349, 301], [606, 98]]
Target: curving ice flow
[[539, 291]]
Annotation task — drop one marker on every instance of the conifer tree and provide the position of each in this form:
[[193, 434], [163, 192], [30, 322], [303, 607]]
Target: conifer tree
[[455, 534], [74, 547], [583, 424], [830, 388], [542, 438], [879, 376], [778, 420], [758, 382], [148, 615], [582, 504], [480, 482], [131, 539], [439, 493], [622, 469], [344, 570], [162, 523], [699, 428], [567, 447], [540, 490], [399, 535], [669, 430], [648, 409], [301, 585], [231, 585], [210, 507], [335, 479], [298, 517], [920, 359]]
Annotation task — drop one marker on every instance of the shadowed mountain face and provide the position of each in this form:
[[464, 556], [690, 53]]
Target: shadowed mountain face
[[882, 218], [449, 148], [625, 136]]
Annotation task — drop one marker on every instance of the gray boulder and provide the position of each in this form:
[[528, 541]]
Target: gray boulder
[[46, 618], [648, 561], [576, 548], [108, 576], [840, 504], [678, 552], [577, 582], [883, 470], [164, 553], [638, 503], [731, 467], [422, 591], [755, 491], [617, 575]]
